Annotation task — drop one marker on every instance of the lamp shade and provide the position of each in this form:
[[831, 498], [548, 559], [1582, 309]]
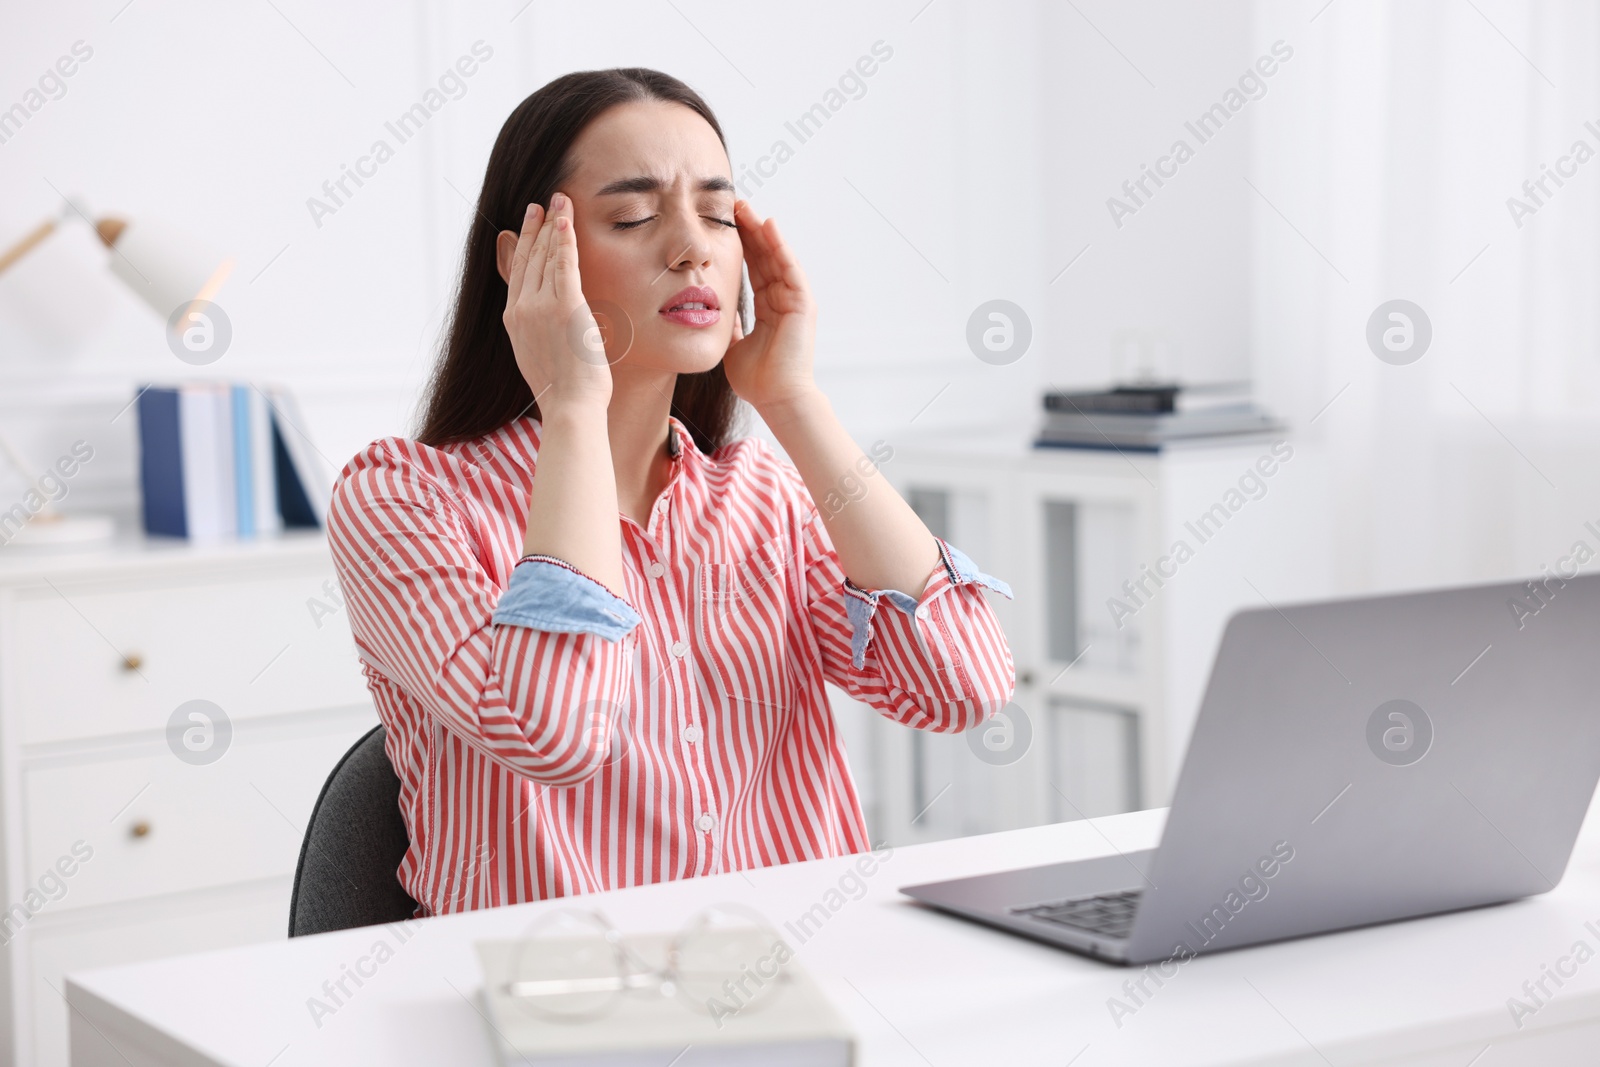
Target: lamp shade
[[165, 267]]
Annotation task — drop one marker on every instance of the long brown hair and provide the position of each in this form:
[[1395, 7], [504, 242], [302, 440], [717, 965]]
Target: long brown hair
[[476, 386]]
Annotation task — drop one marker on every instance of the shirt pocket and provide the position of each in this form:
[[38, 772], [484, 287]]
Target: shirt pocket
[[743, 627]]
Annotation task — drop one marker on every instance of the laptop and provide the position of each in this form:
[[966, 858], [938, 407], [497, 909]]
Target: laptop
[[1354, 761]]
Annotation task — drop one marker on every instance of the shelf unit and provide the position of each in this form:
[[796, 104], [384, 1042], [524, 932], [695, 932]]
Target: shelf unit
[[113, 847], [1104, 701]]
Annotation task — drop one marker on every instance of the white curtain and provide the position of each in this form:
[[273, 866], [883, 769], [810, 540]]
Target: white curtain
[[1382, 166]]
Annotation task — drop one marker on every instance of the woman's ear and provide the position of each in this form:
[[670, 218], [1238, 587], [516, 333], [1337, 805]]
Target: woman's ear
[[505, 246]]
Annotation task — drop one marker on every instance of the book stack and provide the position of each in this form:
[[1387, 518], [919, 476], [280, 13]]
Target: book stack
[[644, 1028], [1146, 417], [226, 460]]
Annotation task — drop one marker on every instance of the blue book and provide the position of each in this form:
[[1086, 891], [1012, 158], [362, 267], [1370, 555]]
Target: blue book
[[303, 488], [161, 462], [294, 503], [243, 466], [218, 461]]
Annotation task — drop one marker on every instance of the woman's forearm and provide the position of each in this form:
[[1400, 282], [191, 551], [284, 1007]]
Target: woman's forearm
[[881, 542], [572, 508]]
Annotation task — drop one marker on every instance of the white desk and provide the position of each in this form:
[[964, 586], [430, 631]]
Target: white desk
[[921, 989]]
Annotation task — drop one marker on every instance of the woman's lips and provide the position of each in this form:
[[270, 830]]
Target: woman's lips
[[692, 316], [695, 306]]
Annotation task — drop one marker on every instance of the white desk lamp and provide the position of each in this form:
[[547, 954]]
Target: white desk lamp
[[167, 270]]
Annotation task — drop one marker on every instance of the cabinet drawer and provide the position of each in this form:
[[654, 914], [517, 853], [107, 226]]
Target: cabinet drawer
[[91, 661], [156, 824]]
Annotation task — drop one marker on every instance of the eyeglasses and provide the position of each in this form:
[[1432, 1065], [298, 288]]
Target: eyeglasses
[[573, 965]]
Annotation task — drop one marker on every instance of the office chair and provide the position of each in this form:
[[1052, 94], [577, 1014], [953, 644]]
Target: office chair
[[353, 846]]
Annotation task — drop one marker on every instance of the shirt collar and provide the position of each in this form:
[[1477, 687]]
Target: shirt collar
[[676, 431], [679, 439]]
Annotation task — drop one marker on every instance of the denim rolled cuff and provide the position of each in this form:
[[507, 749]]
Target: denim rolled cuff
[[962, 570], [955, 568], [546, 593]]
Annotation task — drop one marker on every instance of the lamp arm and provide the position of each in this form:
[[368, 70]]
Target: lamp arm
[[29, 241]]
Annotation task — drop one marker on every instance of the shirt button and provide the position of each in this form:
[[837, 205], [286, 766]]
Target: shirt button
[[679, 648], [705, 822], [691, 733], [655, 570], [922, 612]]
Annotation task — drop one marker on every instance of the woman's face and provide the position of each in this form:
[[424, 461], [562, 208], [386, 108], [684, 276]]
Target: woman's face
[[652, 198]]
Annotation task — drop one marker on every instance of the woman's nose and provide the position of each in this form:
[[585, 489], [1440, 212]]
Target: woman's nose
[[685, 246]]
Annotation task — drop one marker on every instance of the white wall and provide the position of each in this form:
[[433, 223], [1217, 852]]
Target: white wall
[[978, 164], [1117, 93], [974, 166], [1391, 153]]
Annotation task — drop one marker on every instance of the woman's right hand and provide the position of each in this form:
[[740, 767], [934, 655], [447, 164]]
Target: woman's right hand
[[553, 334]]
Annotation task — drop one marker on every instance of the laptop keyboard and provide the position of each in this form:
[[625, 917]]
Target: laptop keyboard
[[1107, 914]]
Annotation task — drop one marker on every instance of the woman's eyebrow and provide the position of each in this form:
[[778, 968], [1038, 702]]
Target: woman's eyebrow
[[644, 183]]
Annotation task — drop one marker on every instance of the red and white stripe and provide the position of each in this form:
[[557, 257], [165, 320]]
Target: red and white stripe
[[536, 764]]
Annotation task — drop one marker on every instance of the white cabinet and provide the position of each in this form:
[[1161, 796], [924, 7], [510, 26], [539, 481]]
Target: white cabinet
[[131, 829], [1125, 568]]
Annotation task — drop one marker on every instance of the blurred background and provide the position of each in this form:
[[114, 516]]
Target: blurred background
[[1439, 153]]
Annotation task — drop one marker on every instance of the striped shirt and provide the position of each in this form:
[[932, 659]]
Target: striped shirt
[[552, 738]]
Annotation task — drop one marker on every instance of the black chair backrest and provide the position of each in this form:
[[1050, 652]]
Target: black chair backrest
[[347, 873]]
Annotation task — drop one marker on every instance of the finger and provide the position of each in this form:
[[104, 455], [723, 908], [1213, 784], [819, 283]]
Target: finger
[[761, 240], [560, 207], [766, 275], [519, 258], [745, 215], [770, 257], [539, 253], [564, 260], [783, 256], [756, 255]]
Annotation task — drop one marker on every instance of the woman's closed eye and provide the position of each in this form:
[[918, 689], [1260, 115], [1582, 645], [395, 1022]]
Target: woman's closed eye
[[629, 224]]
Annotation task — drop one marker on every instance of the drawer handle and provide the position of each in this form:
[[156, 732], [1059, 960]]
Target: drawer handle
[[140, 829], [132, 661]]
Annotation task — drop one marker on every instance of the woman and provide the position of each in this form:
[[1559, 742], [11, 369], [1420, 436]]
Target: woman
[[596, 626]]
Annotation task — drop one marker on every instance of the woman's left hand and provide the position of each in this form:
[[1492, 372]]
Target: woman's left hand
[[773, 364]]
